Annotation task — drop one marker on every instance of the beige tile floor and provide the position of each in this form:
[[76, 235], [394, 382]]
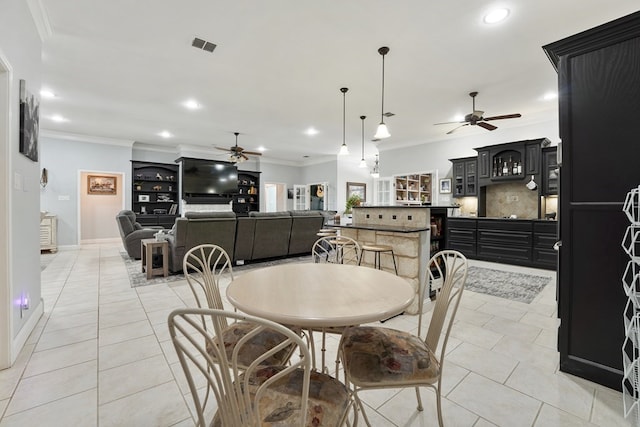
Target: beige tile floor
[[100, 356]]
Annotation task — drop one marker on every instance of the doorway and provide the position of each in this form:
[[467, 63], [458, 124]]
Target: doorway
[[275, 196], [5, 289], [98, 207]]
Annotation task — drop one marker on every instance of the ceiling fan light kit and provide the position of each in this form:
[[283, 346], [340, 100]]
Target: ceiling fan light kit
[[375, 172], [383, 131], [238, 154], [476, 118]]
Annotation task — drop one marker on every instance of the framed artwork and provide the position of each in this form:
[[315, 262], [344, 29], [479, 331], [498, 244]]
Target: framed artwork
[[445, 185], [29, 119], [358, 188], [105, 185]]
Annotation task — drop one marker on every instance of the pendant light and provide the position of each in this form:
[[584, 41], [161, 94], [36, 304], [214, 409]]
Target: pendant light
[[363, 163], [375, 173], [344, 150], [382, 131]]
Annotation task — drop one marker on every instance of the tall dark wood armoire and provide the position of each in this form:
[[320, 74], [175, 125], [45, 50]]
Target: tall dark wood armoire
[[599, 101]]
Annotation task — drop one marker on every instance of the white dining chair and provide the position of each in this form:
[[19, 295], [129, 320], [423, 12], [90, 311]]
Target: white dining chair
[[257, 394], [204, 266], [378, 358]]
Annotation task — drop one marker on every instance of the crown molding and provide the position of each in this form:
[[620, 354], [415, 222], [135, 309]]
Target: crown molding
[[40, 19], [65, 136]]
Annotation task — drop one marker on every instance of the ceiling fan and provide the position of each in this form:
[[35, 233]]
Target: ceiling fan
[[475, 118], [238, 154]]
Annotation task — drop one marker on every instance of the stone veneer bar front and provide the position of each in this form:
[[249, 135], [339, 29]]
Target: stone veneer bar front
[[406, 229]]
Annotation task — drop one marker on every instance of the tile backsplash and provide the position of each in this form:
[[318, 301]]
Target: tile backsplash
[[504, 200]]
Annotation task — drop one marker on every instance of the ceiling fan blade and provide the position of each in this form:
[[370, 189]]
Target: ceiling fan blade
[[487, 126], [456, 128], [243, 156], [447, 123], [253, 153], [506, 116], [223, 149]]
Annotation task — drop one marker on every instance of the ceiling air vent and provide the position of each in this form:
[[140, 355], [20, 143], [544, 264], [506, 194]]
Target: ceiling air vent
[[203, 44]]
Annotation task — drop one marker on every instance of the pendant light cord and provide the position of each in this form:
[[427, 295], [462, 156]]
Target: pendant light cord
[[382, 107], [362, 118]]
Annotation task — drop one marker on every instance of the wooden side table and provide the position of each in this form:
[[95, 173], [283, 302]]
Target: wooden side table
[[147, 248]]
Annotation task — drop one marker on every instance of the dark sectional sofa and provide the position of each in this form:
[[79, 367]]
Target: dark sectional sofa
[[258, 236]]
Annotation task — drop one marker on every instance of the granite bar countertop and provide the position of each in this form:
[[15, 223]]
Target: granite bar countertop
[[496, 218], [374, 227]]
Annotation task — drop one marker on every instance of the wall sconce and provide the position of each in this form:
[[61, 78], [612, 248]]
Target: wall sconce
[[44, 178]]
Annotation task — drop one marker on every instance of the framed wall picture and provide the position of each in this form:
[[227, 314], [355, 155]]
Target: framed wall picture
[[445, 185], [358, 188], [29, 118], [105, 185]]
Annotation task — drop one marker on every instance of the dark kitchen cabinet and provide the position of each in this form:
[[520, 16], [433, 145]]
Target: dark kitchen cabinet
[[465, 178], [461, 235], [505, 240], [551, 173], [598, 88], [484, 164]]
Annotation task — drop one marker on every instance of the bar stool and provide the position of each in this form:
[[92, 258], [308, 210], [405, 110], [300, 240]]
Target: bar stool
[[377, 250]]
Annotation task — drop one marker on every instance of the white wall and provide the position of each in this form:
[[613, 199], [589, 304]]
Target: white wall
[[65, 159], [323, 172], [20, 46]]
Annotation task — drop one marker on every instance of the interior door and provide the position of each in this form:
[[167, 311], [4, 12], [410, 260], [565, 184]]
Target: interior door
[[300, 198]]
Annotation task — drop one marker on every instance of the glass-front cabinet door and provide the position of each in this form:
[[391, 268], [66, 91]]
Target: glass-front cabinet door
[[382, 191]]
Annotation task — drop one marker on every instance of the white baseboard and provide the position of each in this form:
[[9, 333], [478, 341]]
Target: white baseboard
[[105, 240], [22, 337]]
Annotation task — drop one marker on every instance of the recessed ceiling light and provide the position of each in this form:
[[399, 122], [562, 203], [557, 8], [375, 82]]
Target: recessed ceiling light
[[165, 134], [262, 149], [47, 94], [58, 118], [458, 118], [495, 16], [311, 131], [550, 95], [192, 104]]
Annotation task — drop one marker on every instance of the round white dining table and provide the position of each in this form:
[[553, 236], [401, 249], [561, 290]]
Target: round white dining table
[[313, 295]]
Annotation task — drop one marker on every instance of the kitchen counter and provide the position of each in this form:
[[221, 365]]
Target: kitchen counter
[[495, 218], [376, 227], [527, 242]]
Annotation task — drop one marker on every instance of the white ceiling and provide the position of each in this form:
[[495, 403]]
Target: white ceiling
[[121, 69]]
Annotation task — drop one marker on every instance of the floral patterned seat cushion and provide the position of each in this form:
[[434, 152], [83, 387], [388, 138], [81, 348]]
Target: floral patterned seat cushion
[[256, 346], [375, 355], [329, 399]]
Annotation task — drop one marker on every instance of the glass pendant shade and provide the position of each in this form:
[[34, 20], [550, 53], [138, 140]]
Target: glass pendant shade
[[382, 132], [344, 150], [363, 164]]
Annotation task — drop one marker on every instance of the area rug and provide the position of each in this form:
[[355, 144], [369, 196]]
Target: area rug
[[138, 278], [505, 284]]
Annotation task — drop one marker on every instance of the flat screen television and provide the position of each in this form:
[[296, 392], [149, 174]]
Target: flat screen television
[[208, 177]]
